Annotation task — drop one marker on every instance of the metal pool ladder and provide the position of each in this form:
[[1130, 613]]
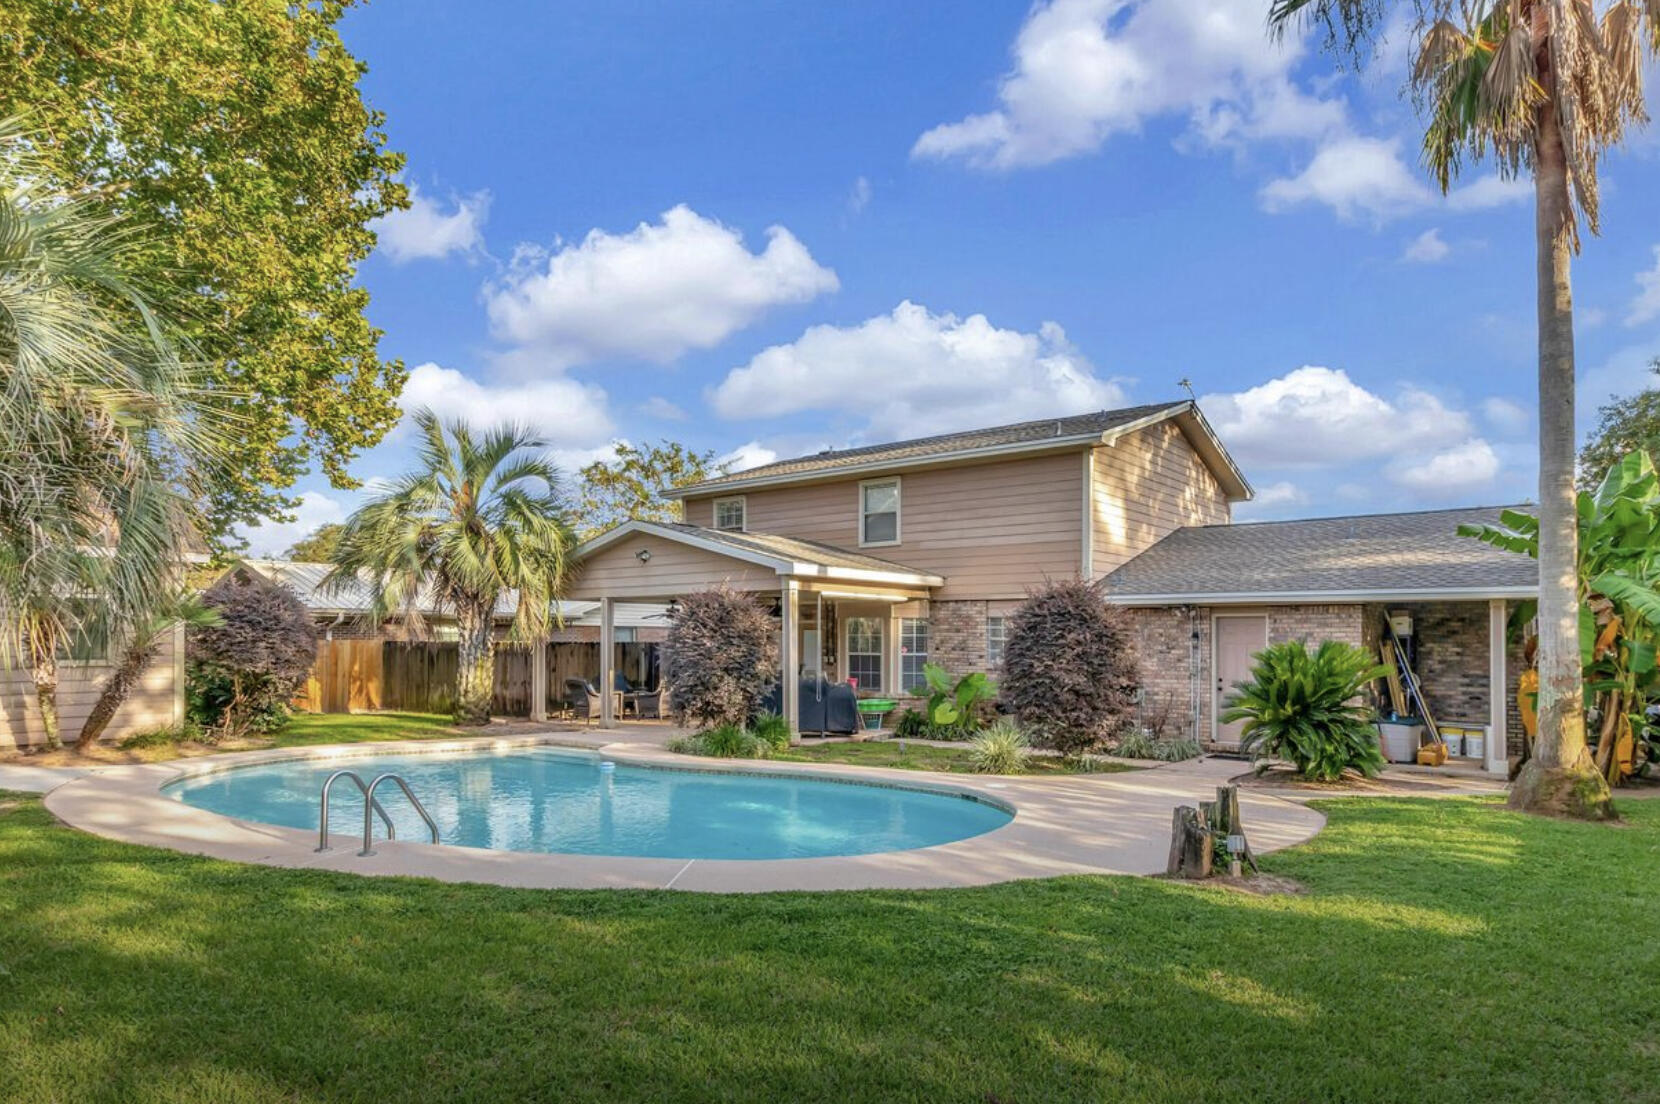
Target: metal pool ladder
[[371, 806]]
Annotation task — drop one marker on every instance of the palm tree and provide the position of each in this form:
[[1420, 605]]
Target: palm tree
[[141, 646], [1547, 87], [104, 431], [480, 518]]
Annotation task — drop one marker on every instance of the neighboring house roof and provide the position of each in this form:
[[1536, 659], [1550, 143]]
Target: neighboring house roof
[[306, 581], [1046, 434], [1372, 556], [786, 555]]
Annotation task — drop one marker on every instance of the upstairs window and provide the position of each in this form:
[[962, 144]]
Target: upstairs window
[[879, 512], [729, 514]]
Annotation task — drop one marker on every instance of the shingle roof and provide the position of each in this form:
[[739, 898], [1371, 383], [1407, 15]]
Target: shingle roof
[[1036, 432], [1382, 553]]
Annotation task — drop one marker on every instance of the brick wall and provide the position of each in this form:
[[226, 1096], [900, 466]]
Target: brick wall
[[957, 635], [1165, 648], [1451, 662], [1452, 665]]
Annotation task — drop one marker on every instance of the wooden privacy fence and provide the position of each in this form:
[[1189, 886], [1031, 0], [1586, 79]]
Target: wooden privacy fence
[[419, 677], [345, 678]]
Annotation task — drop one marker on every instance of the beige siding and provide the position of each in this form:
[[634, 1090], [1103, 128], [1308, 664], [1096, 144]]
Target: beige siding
[[153, 704], [992, 530], [673, 569], [1145, 486]]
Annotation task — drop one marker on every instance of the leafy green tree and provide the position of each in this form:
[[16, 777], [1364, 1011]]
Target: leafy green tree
[[235, 133], [1623, 426], [106, 441], [479, 519], [1545, 87], [319, 546], [630, 487]]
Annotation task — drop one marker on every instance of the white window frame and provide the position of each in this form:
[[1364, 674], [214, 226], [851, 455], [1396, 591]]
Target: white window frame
[[743, 511], [1002, 622], [881, 652], [898, 510], [907, 632]]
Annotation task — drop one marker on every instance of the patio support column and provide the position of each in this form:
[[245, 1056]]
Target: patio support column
[[789, 657], [1498, 691], [539, 681], [607, 663]]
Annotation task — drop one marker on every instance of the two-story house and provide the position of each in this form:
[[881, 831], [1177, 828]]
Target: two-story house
[[879, 559], [888, 556]]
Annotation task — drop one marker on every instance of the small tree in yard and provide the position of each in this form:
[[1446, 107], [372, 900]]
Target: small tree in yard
[[719, 660], [1069, 668], [246, 669]]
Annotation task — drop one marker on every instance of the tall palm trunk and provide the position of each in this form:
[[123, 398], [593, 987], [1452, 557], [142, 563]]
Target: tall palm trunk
[[475, 676], [1560, 778], [43, 669], [40, 648]]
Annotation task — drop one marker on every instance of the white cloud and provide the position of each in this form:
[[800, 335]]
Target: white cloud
[[1085, 70], [1274, 500], [1427, 248], [568, 413], [916, 372], [1449, 473], [1315, 416], [1354, 177], [425, 231], [652, 293], [1490, 191], [750, 454], [1646, 306], [272, 539], [859, 197], [662, 409], [1506, 415], [1589, 318]]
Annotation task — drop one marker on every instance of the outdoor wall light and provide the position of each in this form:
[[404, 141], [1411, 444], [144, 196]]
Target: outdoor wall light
[[643, 555]]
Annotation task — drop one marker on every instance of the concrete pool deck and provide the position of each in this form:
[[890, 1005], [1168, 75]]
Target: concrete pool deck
[[1064, 824]]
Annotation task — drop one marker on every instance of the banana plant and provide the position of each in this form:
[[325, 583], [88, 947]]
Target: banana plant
[[951, 703], [1619, 600]]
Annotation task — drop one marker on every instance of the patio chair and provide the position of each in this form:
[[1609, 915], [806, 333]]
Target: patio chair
[[649, 704], [585, 700]]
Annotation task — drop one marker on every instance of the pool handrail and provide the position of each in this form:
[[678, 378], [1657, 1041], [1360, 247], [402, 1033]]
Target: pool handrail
[[368, 820], [369, 802]]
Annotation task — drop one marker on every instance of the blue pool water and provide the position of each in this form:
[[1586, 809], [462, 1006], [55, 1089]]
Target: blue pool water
[[544, 799]]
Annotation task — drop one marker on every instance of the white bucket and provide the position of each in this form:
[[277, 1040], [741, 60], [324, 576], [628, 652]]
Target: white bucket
[[1454, 739], [1400, 741], [1475, 744]]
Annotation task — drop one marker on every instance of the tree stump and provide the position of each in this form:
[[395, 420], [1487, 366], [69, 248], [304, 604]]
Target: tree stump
[[1195, 834], [1226, 822], [1190, 846]]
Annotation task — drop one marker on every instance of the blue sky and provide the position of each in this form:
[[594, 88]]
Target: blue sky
[[766, 229]]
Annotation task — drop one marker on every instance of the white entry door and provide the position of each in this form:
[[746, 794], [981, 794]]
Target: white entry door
[[1237, 637]]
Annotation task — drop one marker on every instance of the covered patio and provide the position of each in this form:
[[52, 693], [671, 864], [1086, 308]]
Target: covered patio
[[839, 612]]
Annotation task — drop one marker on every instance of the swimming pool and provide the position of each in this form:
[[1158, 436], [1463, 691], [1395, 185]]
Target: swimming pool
[[571, 802]]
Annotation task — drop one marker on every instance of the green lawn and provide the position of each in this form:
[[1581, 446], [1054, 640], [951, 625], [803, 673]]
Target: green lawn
[[1446, 951], [354, 728], [887, 753]]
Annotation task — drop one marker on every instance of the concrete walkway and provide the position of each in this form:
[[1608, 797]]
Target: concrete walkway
[[25, 779], [1068, 824]]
